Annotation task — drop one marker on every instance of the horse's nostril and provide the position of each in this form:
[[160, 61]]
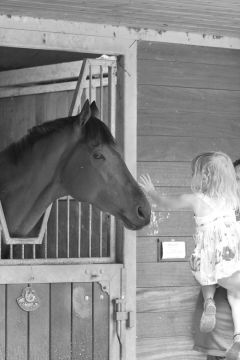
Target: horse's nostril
[[140, 212]]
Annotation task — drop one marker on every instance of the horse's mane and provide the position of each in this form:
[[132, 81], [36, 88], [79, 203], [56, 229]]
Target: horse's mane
[[94, 130]]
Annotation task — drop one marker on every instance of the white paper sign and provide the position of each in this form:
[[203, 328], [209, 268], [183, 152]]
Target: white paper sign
[[173, 250]]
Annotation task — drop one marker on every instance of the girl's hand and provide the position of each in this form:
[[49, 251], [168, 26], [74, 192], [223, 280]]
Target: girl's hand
[[146, 183]]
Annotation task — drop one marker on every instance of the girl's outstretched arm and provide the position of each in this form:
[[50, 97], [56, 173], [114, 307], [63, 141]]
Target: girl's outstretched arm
[[167, 202]]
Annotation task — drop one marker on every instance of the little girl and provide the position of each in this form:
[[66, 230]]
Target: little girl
[[216, 258]]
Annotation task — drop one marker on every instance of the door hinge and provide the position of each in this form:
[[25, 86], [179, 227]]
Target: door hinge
[[124, 319], [122, 315]]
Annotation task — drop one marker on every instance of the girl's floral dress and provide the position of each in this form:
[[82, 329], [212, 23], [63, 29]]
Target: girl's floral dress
[[217, 239]]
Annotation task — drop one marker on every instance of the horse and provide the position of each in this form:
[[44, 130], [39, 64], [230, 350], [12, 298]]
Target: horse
[[76, 156]]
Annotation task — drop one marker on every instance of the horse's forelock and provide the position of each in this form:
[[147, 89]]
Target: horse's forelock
[[97, 132]]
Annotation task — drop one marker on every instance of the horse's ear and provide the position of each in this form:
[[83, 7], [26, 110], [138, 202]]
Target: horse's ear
[[85, 114], [94, 109]]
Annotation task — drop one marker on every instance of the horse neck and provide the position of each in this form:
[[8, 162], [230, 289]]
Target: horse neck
[[34, 183]]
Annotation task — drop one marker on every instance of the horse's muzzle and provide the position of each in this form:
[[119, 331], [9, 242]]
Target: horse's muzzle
[[142, 217], [144, 214]]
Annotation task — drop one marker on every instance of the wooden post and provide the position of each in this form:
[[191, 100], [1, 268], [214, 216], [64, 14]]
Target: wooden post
[[127, 114]]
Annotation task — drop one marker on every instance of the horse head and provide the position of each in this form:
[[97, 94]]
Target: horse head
[[95, 172]]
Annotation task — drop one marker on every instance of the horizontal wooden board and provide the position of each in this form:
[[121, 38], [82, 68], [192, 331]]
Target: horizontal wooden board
[[175, 148], [178, 99], [161, 324], [165, 298], [61, 72], [169, 274], [217, 18], [148, 247], [188, 54], [167, 173], [173, 223], [187, 122], [167, 349], [191, 75]]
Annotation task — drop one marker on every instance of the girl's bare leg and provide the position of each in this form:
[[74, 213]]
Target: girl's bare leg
[[232, 284], [208, 319], [208, 291], [234, 301]]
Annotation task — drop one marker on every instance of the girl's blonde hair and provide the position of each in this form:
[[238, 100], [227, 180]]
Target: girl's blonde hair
[[213, 174]]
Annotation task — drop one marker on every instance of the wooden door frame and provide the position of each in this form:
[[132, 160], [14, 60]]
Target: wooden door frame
[[27, 32]]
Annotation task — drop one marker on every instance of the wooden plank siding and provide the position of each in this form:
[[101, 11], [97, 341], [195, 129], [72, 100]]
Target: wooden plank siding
[[19, 114], [72, 323], [39, 325], [212, 16], [188, 102]]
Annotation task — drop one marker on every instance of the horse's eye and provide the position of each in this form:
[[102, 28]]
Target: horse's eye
[[98, 156]]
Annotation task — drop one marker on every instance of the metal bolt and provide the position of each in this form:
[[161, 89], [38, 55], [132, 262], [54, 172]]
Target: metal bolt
[[101, 296], [86, 298]]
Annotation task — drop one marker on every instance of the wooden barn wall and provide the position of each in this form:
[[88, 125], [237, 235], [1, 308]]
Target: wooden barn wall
[[208, 17], [19, 114], [188, 102]]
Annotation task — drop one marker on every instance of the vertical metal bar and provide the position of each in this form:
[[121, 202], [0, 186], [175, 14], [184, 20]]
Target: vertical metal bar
[[0, 242], [34, 251], [76, 101], [90, 232], [57, 226], [101, 92], [45, 244], [112, 124], [90, 206], [90, 83], [101, 117], [112, 99], [68, 225], [22, 251], [79, 228], [101, 234], [11, 251]]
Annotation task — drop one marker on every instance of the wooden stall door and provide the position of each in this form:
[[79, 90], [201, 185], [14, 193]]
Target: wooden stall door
[[75, 320]]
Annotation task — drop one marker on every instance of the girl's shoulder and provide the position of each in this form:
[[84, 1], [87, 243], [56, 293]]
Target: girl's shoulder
[[204, 205], [206, 199], [192, 200]]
